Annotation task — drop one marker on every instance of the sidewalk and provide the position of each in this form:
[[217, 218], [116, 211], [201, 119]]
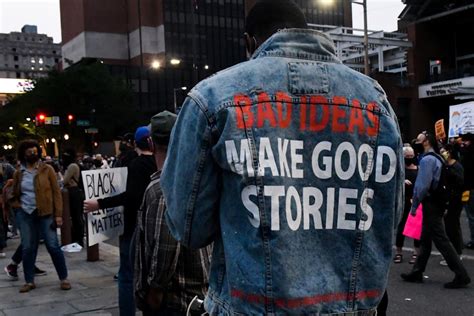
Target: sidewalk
[[94, 292]]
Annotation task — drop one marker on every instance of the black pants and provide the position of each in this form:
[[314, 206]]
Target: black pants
[[77, 215], [3, 230], [433, 231], [452, 225], [401, 226]]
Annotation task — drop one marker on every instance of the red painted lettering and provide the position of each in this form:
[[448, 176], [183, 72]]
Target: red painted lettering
[[265, 111], [356, 119], [284, 98], [373, 118], [303, 113], [244, 113], [322, 103]]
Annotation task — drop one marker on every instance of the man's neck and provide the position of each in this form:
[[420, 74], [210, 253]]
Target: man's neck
[[160, 157]]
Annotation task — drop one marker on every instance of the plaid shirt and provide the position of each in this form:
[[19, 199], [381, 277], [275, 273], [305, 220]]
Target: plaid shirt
[[161, 262]]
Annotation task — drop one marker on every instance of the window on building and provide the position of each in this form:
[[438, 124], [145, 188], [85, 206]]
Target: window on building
[[16, 66], [13, 49], [15, 58], [56, 60], [33, 68], [33, 60], [18, 75], [54, 52], [41, 61]]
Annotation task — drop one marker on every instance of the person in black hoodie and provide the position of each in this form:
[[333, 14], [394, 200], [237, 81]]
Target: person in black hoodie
[[467, 158], [455, 181], [139, 172]]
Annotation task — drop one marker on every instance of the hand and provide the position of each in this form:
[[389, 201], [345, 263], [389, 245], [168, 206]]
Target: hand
[[59, 221], [154, 298], [408, 182], [91, 206]]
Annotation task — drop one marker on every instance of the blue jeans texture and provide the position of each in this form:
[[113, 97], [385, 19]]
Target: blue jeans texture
[[470, 213], [18, 255], [125, 278], [31, 226]]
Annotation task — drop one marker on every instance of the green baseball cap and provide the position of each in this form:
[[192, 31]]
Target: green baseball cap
[[161, 126]]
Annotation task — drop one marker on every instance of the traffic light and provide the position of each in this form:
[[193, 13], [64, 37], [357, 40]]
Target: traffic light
[[70, 118], [40, 119]]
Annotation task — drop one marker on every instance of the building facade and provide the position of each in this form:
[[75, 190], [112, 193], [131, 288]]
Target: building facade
[[27, 54], [165, 46], [441, 61]]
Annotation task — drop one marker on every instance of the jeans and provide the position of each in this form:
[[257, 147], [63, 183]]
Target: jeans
[[470, 213], [163, 312], [3, 230], [433, 231], [125, 278], [31, 225], [18, 255]]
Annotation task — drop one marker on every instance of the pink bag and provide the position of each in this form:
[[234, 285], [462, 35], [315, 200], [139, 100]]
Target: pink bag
[[414, 224]]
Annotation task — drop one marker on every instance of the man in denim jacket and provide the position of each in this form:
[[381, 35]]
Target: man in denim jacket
[[292, 164]]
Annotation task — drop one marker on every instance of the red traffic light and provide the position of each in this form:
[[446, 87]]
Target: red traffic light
[[41, 117], [70, 117]]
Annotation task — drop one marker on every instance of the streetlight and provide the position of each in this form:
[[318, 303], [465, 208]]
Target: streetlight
[[53, 140], [363, 3], [11, 128], [28, 119], [175, 62], [206, 67], [10, 147], [66, 137], [175, 97], [155, 64]]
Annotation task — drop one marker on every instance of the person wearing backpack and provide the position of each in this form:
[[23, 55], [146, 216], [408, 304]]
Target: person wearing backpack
[[431, 190], [455, 183]]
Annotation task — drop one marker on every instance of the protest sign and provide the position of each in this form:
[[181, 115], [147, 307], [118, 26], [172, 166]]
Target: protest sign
[[461, 119], [104, 224], [439, 130]]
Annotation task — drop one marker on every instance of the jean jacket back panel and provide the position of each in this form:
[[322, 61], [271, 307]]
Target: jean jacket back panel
[[291, 164]]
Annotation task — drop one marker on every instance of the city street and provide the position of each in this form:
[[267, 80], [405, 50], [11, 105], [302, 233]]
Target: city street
[[94, 291]]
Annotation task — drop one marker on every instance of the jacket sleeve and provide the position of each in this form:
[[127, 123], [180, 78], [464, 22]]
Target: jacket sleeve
[[424, 180], [57, 195], [190, 178]]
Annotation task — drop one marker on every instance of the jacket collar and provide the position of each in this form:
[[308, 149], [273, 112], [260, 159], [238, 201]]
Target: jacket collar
[[300, 44]]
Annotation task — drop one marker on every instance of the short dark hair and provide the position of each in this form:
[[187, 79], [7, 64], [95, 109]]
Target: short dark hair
[[24, 145], [268, 16], [432, 140], [453, 150]]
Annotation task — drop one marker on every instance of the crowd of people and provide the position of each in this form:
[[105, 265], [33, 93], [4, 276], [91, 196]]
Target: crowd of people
[[254, 172]]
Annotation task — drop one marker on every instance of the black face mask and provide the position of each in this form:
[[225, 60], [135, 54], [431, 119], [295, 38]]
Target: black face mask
[[32, 159], [418, 148], [409, 161]]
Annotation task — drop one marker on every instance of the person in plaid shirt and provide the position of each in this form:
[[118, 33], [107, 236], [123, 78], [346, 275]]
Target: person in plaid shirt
[[167, 275]]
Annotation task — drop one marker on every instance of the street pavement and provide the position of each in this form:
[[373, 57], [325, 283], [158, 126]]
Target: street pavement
[[94, 292]]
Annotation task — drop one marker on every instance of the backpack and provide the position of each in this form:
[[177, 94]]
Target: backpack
[[442, 192]]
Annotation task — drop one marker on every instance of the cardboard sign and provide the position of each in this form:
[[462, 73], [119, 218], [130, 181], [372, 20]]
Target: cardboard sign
[[461, 119], [104, 224], [439, 130]]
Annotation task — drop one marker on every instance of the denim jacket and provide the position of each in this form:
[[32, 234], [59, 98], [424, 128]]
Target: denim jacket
[[291, 163]]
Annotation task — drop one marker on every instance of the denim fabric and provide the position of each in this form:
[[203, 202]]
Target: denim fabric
[[291, 163], [469, 207], [427, 179], [125, 278], [28, 195], [31, 225], [18, 255]]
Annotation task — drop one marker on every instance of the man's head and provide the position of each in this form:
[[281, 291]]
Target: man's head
[[126, 142], [161, 126], [142, 138], [467, 139], [267, 17], [427, 141], [29, 151]]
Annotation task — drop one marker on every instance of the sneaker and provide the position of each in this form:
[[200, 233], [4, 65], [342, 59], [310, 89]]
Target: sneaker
[[443, 263], [413, 277], [12, 271], [39, 272], [458, 283]]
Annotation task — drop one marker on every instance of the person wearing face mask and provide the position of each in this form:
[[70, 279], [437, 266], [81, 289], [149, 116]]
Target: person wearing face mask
[[411, 170], [38, 206], [455, 180], [428, 190]]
